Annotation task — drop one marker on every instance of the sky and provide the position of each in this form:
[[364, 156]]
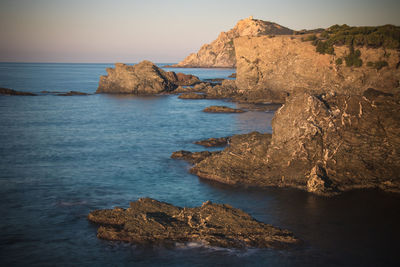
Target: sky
[[108, 31]]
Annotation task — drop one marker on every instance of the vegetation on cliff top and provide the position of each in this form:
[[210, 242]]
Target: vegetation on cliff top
[[387, 36]]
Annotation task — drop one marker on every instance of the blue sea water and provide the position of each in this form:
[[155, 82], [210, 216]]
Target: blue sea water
[[62, 157]]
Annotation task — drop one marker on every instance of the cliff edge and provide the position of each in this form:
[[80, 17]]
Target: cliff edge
[[289, 64], [221, 52]]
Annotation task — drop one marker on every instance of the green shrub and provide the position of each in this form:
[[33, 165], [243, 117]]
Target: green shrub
[[353, 59], [387, 36], [339, 61], [325, 47], [310, 38], [378, 64]]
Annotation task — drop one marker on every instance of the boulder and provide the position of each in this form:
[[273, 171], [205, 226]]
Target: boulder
[[151, 222]]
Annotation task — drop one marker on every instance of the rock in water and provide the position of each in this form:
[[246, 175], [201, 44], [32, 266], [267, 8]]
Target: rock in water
[[144, 78], [73, 93], [222, 109], [192, 95], [221, 52], [148, 221], [323, 144], [6, 91]]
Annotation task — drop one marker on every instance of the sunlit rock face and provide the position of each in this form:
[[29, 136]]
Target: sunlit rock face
[[221, 52]]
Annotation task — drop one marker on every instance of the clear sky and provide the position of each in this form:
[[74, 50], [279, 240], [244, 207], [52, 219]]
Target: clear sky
[[157, 30]]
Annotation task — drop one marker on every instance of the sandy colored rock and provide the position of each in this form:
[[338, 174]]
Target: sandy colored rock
[[142, 78], [222, 109], [322, 144], [151, 222], [221, 52], [286, 64]]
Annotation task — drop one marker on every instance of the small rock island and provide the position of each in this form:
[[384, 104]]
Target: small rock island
[[148, 221]]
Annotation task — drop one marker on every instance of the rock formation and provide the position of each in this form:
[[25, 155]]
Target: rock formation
[[323, 144], [221, 52], [148, 221], [142, 78], [192, 95], [286, 64], [214, 142], [6, 91], [192, 157]]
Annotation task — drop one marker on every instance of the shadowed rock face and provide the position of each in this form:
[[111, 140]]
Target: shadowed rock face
[[142, 78], [221, 52], [323, 144], [148, 221]]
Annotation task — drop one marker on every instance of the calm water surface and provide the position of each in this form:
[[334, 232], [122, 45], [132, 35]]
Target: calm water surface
[[61, 157]]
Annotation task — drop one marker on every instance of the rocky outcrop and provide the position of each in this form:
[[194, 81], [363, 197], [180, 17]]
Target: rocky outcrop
[[148, 222], [222, 109], [192, 157], [221, 52], [286, 64], [323, 144], [6, 91], [214, 142], [142, 78]]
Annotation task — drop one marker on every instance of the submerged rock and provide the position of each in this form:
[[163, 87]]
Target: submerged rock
[[322, 144], [72, 93], [142, 78], [6, 91], [214, 142], [222, 109], [148, 221]]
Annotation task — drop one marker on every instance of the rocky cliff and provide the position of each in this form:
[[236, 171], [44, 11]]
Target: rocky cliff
[[221, 52], [142, 78], [289, 64], [324, 144]]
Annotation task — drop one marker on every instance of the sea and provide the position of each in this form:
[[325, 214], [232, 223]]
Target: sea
[[64, 156]]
